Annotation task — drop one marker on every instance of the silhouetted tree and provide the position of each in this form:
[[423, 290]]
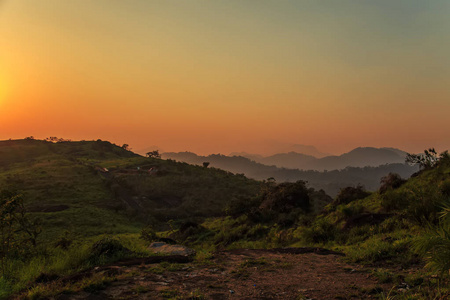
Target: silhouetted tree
[[154, 154], [205, 164], [427, 160]]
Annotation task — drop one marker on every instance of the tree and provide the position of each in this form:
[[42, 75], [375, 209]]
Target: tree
[[350, 194], [126, 147], [153, 154], [427, 160], [205, 164], [285, 196], [17, 231]]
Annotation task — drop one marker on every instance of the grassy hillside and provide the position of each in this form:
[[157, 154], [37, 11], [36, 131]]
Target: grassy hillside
[[65, 184], [400, 232], [85, 191]]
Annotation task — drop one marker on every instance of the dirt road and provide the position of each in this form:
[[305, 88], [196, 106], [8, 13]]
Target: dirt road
[[242, 274]]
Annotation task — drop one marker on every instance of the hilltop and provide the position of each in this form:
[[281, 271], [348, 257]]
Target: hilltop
[[95, 187]]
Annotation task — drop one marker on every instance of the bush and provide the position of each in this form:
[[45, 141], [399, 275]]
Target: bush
[[17, 231], [390, 182], [148, 234], [107, 248], [286, 196], [320, 231], [350, 194], [435, 244]]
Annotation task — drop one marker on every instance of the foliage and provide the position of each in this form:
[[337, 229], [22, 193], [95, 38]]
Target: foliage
[[107, 248], [435, 244], [350, 194], [148, 234], [285, 196], [428, 160], [390, 181], [17, 231], [153, 154], [321, 231]]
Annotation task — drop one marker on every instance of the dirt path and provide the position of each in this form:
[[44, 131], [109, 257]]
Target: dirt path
[[242, 274]]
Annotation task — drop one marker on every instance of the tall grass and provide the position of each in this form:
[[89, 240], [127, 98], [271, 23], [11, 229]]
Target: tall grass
[[435, 243], [59, 263]]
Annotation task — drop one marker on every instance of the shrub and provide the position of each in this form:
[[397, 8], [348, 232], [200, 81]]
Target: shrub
[[344, 212], [286, 196], [17, 231], [350, 194], [390, 181], [320, 231], [107, 248], [148, 234], [435, 244]]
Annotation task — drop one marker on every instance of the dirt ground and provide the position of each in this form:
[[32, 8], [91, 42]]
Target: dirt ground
[[242, 274]]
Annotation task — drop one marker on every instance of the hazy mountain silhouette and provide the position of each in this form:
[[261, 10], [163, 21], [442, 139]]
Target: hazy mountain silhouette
[[330, 181], [267, 148], [359, 157]]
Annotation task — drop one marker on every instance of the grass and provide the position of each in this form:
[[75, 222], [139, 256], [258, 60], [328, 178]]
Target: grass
[[92, 284], [51, 174], [59, 263]]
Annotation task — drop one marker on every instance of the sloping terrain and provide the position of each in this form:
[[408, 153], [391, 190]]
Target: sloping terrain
[[95, 187], [330, 181]]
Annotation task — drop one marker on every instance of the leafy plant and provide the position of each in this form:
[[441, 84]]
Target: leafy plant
[[17, 231], [435, 244]]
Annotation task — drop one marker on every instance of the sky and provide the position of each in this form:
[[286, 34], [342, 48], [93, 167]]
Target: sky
[[228, 75]]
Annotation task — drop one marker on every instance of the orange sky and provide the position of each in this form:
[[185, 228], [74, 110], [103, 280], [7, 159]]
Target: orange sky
[[223, 76]]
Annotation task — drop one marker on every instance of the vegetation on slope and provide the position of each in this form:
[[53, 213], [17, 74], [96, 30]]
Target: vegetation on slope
[[75, 193], [83, 190], [397, 229]]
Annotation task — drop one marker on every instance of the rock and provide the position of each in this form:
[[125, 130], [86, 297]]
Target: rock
[[163, 248]]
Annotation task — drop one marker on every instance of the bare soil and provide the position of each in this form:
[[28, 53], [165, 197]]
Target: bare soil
[[242, 274]]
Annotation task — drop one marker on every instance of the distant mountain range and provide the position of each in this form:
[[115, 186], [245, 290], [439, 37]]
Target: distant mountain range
[[277, 147], [359, 157], [360, 166]]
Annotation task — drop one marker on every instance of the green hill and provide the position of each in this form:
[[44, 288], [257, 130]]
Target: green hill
[[95, 187], [401, 233], [84, 191]]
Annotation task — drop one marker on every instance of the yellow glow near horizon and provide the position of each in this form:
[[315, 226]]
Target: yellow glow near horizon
[[3, 89], [223, 76]]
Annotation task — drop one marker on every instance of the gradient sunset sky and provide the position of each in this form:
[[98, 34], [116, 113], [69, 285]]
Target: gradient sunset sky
[[216, 76]]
